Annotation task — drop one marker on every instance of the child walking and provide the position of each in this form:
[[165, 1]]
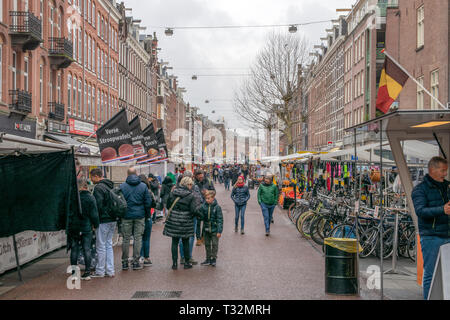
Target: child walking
[[240, 195], [212, 227]]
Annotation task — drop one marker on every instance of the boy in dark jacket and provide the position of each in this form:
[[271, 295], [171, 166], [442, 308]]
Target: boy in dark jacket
[[212, 227], [80, 229], [240, 196]]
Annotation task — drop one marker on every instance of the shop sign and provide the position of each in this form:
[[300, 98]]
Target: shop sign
[[82, 128], [16, 126]]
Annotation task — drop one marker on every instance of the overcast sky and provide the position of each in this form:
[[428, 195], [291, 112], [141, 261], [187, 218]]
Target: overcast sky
[[224, 51]]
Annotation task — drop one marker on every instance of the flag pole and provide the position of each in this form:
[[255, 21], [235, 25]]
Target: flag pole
[[414, 79]]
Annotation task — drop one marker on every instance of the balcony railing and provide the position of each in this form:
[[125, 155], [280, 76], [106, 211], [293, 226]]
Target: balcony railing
[[20, 101], [56, 111], [60, 47], [60, 52], [25, 22]]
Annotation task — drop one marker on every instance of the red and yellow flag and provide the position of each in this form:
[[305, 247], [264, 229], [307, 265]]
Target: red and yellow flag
[[392, 81]]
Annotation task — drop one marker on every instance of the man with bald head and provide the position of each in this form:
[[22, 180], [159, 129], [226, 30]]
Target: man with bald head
[[139, 203]]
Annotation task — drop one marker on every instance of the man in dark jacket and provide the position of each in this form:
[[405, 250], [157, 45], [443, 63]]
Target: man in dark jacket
[[138, 209], [154, 188], [80, 229], [105, 232], [432, 206], [227, 177]]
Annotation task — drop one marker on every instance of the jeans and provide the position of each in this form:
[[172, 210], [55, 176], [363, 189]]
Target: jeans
[[105, 253], [267, 212], [430, 251], [133, 228], [211, 245], [81, 241], [183, 252], [191, 242], [227, 184], [240, 211], [145, 250]]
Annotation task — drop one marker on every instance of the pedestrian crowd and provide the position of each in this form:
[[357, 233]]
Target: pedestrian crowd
[[185, 200]]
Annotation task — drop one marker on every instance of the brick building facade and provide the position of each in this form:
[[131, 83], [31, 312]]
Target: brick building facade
[[418, 37]]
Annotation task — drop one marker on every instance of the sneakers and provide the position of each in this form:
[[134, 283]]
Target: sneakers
[[236, 229], [272, 221], [182, 261], [110, 275], [213, 262], [207, 262], [242, 231], [174, 266], [137, 266], [147, 262], [188, 266], [86, 276], [193, 262], [125, 265], [95, 275], [267, 233]]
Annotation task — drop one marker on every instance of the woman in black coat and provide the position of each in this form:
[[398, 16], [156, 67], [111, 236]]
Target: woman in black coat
[[166, 188], [182, 207]]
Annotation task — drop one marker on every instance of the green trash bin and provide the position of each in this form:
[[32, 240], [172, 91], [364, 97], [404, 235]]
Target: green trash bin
[[341, 269]]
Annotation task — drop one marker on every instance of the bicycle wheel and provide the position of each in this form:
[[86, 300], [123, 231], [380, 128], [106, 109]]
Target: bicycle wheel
[[388, 244], [306, 224], [403, 238], [314, 230], [369, 241], [291, 210], [344, 230], [412, 246]]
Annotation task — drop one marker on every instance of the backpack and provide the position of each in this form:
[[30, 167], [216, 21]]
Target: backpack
[[117, 205]]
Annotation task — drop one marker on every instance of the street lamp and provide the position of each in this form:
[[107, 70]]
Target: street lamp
[[293, 29], [169, 32]]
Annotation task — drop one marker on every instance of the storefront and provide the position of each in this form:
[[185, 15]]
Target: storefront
[[16, 125]]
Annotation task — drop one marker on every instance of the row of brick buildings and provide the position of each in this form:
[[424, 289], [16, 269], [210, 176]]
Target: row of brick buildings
[[338, 89], [68, 66]]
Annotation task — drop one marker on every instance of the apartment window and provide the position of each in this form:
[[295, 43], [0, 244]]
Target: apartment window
[[41, 88], [98, 24], [1, 65], [89, 54], [79, 99], [50, 87], [420, 94], [14, 70], [89, 10], [89, 115], [69, 93], [85, 106], [93, 14], [75, 51], [93, 104], [80, 46], [85, 57], [421, 26], [435, 88], [74, 94], [99, 114], [58, 88]]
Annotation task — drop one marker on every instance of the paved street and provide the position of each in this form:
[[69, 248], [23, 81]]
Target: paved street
[[252, 266]]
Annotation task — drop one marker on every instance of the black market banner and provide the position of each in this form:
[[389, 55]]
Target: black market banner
[[38, 192], [162, 146], [137, 138], [114, 139], [150, 145]]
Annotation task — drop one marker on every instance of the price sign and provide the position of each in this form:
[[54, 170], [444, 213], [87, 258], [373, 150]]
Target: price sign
[[377, 212], [356, 207]]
